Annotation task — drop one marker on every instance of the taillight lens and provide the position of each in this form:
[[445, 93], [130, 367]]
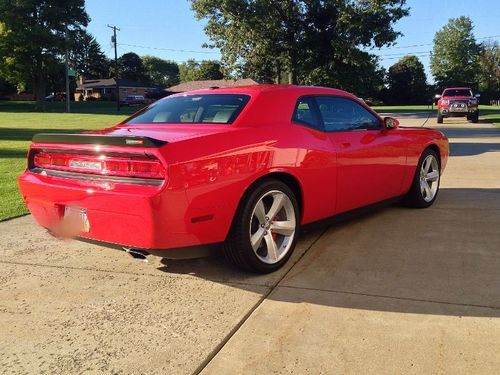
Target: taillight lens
[[119, 166]]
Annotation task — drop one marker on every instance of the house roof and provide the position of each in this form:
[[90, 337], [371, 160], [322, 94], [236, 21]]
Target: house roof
[[110, 82], [199, 85]]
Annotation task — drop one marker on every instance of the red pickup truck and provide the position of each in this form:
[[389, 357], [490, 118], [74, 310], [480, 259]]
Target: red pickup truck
[[458, 102]]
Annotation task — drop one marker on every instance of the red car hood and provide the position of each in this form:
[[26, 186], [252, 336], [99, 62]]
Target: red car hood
[[167, 132], [457, 97]]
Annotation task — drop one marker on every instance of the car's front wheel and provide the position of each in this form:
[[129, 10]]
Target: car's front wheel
[[439, 118], [265, 228], [425, 184]]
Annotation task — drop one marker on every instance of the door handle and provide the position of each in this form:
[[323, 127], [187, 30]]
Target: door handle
[[345, 144]]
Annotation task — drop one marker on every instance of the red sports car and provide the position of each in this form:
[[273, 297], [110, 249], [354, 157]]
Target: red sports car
[[245, 167]]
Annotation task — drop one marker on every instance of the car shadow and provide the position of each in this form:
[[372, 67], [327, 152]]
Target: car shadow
[[443, 260], [469, 149], [469, 132]]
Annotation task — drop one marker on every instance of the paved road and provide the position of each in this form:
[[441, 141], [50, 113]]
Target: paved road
[[397, 291]]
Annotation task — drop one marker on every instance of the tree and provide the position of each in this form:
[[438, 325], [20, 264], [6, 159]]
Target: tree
[[131, 67], [6, 88], [87, 57], [489, 70], [454, 59], [306, 38], [192, 70], [33, 35], [159, 72], [407, 81]]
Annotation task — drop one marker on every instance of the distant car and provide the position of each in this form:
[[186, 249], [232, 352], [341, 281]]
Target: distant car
[[59, 97], [458, 102], [132, 100], [244, 167]]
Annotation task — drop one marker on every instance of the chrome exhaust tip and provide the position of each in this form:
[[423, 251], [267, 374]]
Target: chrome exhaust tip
[[137, 254]]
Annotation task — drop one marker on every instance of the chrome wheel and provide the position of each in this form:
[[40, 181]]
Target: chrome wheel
[[429, 178], [272, 226]]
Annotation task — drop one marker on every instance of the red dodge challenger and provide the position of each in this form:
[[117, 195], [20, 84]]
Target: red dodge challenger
[[245, 167]]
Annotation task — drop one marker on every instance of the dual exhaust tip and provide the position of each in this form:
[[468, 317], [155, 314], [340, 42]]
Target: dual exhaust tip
[[137, 254]]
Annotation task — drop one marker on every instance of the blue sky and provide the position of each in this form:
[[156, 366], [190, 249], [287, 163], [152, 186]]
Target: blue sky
[[169, 29]]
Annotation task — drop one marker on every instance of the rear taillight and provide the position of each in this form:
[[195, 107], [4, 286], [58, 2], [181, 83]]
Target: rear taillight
[[117, 166]]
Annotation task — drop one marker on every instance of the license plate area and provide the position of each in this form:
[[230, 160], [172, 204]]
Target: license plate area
[[77, 219]]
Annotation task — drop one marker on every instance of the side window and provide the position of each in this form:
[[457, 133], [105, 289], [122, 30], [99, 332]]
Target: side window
[[341, 114], [305, 113]]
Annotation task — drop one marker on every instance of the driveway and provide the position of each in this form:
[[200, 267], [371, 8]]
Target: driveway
[[396, 291]]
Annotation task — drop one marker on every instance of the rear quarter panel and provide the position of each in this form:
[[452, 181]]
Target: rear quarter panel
[[215, 171]]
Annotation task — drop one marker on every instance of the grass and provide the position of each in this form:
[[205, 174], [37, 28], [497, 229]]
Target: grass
[[18, 124]]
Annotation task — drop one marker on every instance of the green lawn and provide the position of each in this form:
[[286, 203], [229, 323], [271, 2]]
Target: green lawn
[[18, 124]]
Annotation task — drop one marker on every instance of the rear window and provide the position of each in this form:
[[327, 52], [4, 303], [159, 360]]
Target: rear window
[[457, 92], [209, 109]]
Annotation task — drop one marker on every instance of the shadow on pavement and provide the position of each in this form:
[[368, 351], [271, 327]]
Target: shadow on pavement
[[470, 149], [472, 132], [443, 260]]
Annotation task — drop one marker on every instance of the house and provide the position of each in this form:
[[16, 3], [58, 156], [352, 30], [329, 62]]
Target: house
[[105, 89], [199, 85]]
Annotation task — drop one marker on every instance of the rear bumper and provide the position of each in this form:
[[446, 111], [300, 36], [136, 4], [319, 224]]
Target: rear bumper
[[146, 217]]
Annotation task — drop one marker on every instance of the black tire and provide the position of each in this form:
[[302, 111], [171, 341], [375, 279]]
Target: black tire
[[237, 247], [439, 119], [475, 118], [415, 197]]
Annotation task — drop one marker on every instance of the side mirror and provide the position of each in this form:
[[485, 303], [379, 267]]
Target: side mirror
[[477, 95], [390, 123], [437, 96]]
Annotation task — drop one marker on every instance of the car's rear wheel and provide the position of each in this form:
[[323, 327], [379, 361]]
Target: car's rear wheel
[[265, 228], [425, 186]]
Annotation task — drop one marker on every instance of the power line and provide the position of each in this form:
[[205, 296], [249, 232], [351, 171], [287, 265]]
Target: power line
[[165, 49], [430, 44]]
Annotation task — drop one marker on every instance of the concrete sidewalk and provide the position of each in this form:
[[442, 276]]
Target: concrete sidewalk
[[396, 291]]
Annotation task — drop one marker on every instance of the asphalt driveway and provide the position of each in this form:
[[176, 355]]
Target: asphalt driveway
[[396, 291]]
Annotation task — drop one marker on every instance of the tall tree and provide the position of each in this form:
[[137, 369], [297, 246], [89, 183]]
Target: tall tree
[[192, 70], [298, 36], [407, 81], [159, 72], [33, 34], [489, 70], [87, 57], [454, 59], [131, 67]]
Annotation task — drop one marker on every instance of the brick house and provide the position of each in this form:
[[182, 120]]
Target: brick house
[[105, 89]]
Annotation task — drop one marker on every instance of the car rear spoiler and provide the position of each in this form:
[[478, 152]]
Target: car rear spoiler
[[93, 139]]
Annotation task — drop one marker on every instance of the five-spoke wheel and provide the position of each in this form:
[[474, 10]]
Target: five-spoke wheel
[[425, 185], [265, 228], [272, 227]]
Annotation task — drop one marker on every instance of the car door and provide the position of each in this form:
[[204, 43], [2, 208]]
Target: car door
[[370, 159], [318, 165]]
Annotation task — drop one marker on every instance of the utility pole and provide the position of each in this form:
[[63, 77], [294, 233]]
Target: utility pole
[[66, 77], [113, 40]]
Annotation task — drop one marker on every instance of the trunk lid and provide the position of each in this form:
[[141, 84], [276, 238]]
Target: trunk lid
[[167, 133]]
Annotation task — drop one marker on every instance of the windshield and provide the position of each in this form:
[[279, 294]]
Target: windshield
[[209, 109], [457, 92]]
